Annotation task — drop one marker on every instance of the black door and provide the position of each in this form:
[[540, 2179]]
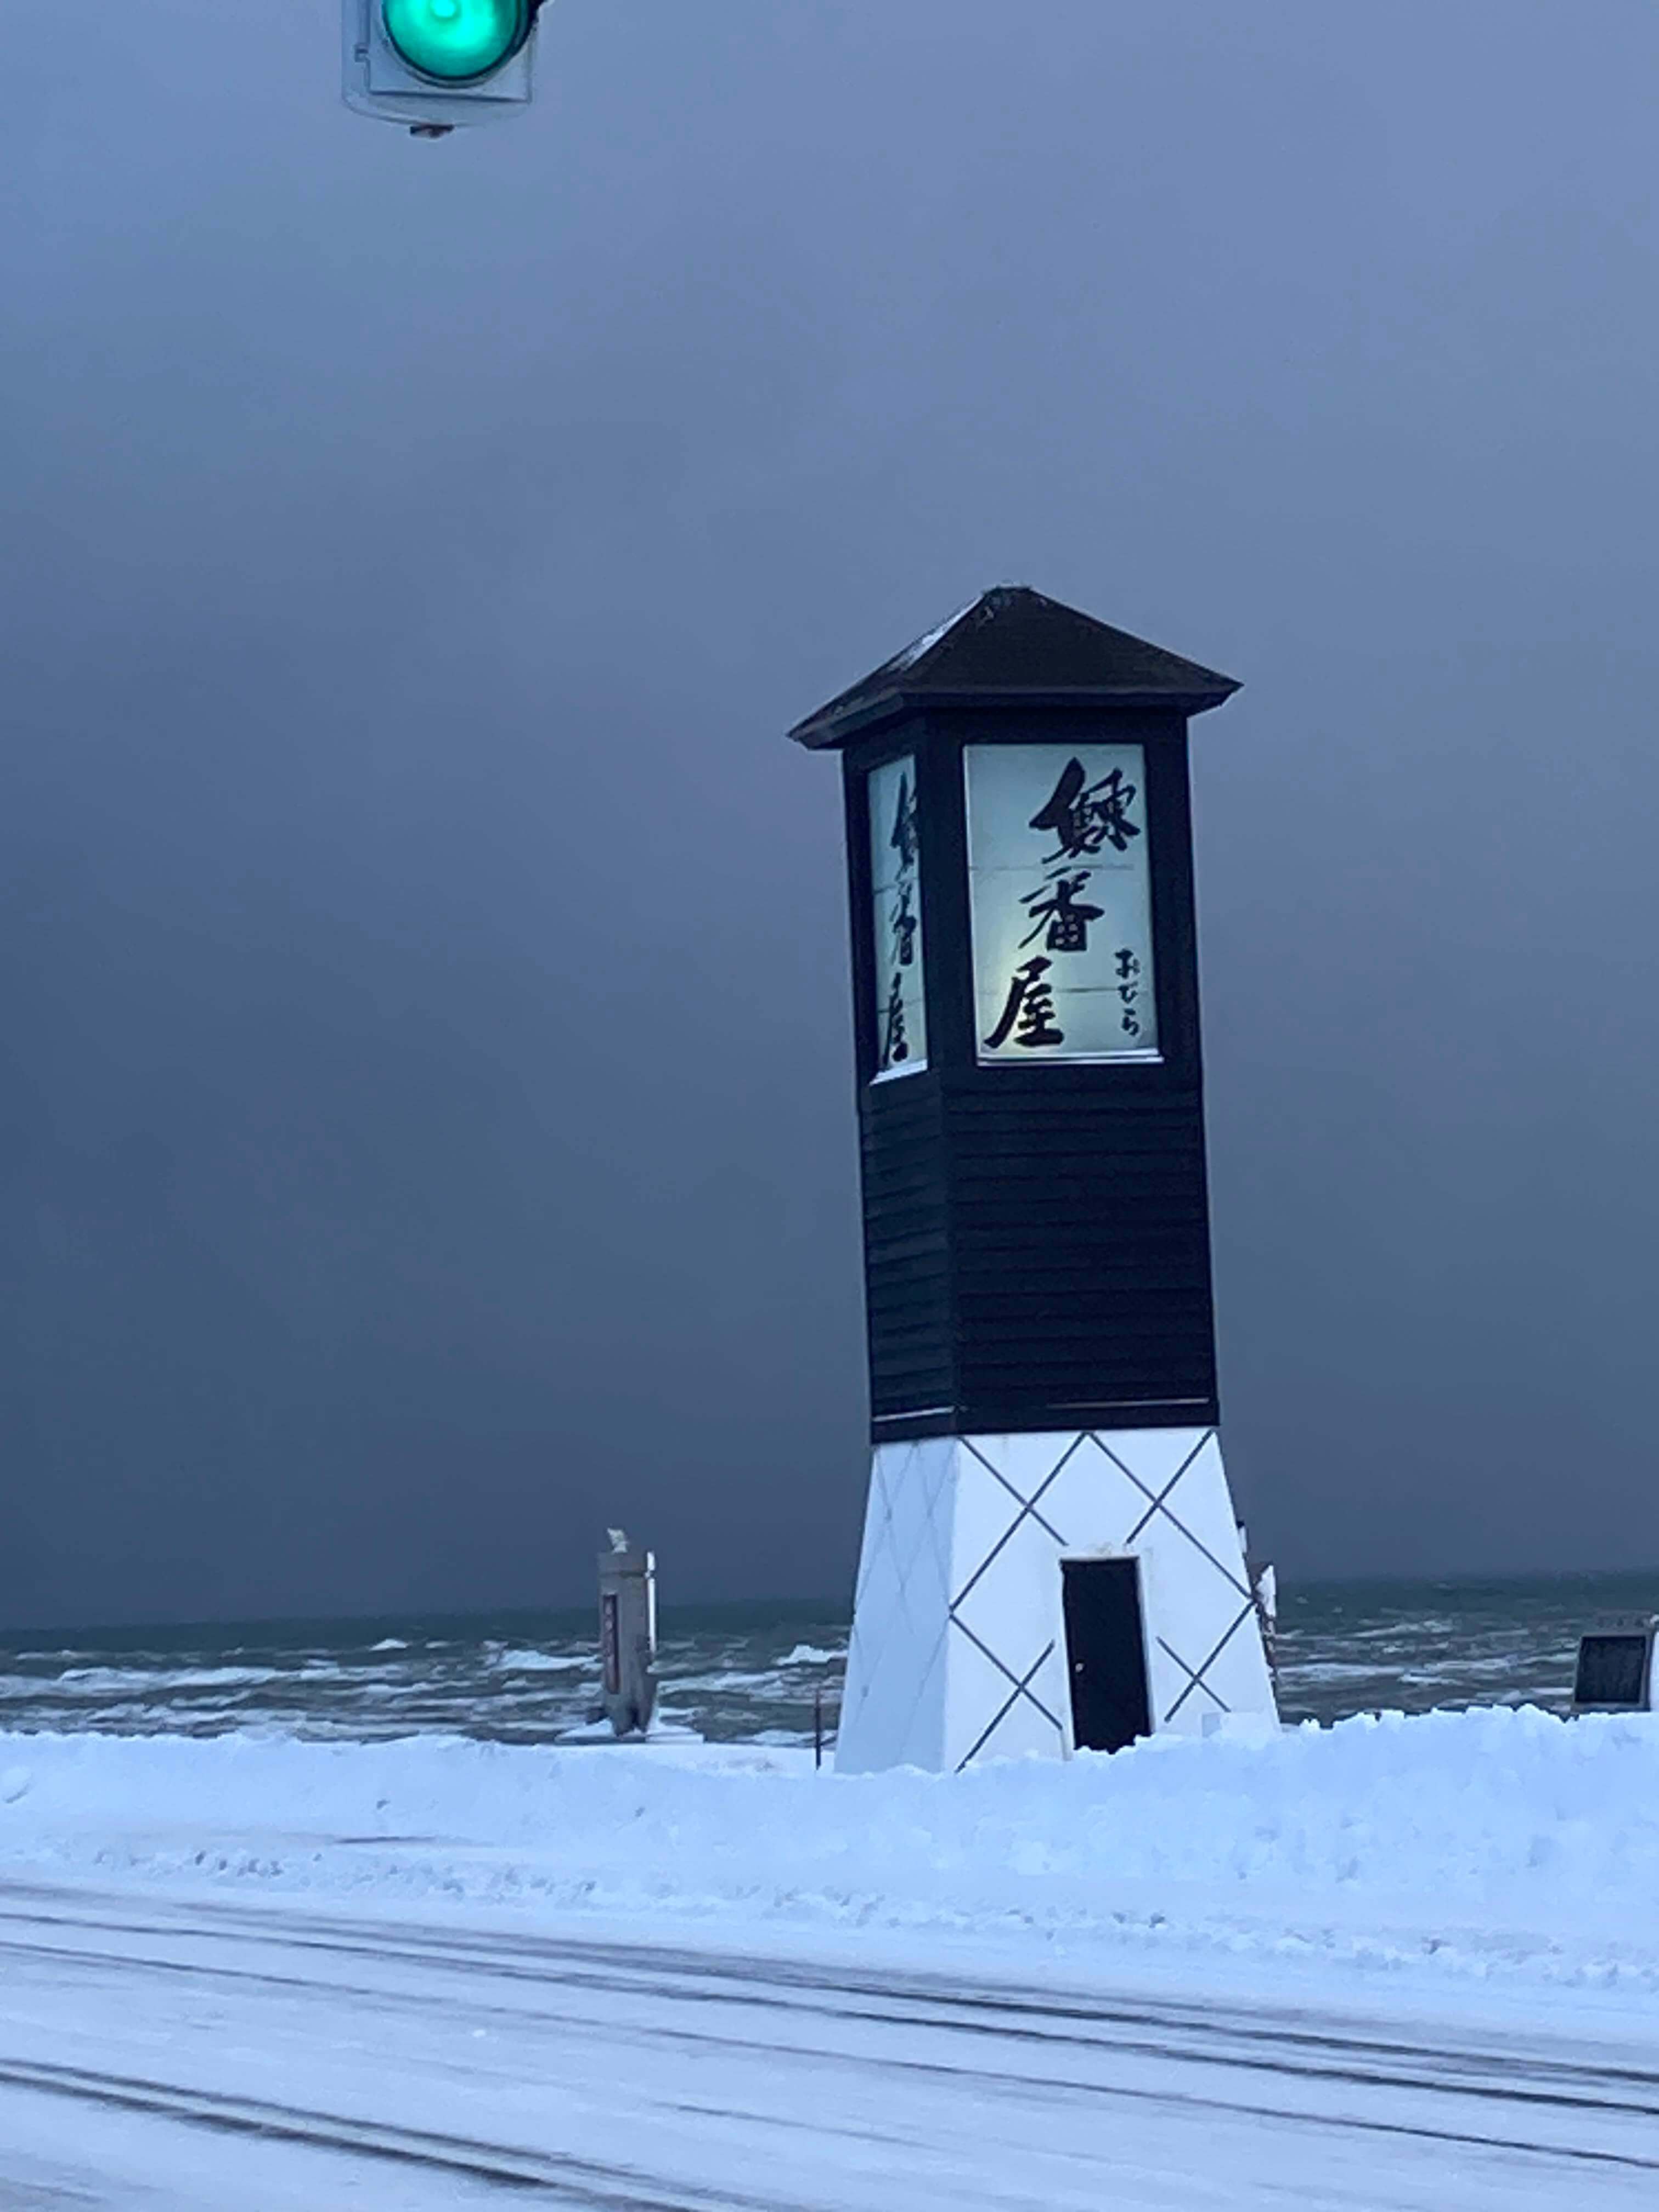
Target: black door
[[1106, 1653]]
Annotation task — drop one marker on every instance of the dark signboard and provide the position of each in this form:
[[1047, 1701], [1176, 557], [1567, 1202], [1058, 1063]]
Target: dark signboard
[[1612, 1671]]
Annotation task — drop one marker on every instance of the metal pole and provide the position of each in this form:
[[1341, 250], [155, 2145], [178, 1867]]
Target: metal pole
[[817, 1728]]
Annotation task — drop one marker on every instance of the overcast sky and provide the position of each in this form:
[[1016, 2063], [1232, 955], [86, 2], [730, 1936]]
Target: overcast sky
[[427, 1119]]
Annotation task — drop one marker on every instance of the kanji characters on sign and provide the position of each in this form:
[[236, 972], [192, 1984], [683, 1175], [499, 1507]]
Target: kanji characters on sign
[[1059, 871], [901, 1040]]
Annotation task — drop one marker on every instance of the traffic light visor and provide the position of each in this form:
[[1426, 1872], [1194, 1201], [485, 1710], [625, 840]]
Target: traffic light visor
[[457, 41]]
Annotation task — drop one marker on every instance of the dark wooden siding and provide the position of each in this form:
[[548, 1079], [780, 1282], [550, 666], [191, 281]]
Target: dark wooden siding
[[1036, 1263], [906, 1255], [1081, 1260]]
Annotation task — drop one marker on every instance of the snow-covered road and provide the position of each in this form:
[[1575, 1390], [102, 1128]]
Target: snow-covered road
[[160, 2052]]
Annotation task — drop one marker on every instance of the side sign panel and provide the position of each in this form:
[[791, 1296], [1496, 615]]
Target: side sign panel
[[900, 999]]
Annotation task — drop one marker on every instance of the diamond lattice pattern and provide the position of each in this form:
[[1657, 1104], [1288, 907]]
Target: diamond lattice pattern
[[958, 1643]]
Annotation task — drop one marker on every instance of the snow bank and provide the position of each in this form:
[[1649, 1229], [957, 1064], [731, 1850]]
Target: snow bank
[[1484, 1841]]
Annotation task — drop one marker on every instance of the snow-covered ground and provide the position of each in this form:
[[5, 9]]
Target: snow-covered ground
[[1495, 1844], [1396, 1962]]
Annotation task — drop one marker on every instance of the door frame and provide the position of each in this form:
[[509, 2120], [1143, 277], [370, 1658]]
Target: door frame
[[1079, 1555]]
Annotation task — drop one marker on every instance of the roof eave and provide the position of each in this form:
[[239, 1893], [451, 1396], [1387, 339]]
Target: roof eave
[[823, 733]]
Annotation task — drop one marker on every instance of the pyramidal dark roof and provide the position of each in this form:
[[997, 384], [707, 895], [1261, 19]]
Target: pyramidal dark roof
[[1013, 644]]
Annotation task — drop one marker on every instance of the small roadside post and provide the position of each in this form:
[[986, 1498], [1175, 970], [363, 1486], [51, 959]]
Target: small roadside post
[[627, 1634]]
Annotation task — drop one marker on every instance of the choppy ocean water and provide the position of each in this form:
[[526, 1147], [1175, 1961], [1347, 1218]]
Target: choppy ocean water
[[736, 1672]]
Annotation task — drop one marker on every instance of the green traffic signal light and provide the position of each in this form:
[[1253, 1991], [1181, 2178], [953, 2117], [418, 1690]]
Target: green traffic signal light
[[457, 41]]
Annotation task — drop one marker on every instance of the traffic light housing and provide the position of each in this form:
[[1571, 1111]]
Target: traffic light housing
[[433, 64]]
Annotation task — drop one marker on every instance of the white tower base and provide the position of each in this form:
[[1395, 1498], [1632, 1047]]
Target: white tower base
[[958, 1650]]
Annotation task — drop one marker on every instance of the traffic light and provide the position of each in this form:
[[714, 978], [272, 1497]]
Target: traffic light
[[432, 64]]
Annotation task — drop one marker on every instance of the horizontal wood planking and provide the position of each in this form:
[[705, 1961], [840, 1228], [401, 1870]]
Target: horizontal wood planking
[[1036, 1256], [908, 1259]]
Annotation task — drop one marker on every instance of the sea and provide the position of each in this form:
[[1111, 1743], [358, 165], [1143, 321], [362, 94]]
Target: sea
[[769, 1674]]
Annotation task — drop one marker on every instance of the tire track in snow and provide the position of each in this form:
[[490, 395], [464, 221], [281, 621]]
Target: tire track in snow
[[1292, 2048], [1211, 2035], [576, 2182]]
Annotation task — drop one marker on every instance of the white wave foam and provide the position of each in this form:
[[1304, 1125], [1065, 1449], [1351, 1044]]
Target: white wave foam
[[147, 1681], [762, 1683]]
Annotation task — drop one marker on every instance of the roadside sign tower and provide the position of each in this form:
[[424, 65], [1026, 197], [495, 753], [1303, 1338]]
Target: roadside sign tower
[[1050, 1557]]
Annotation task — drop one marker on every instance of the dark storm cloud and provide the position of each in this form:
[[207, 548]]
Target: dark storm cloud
[[426, 1094]]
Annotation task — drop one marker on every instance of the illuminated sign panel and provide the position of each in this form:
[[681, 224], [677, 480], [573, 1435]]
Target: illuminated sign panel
[[1058, 878], [901, 1002]]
